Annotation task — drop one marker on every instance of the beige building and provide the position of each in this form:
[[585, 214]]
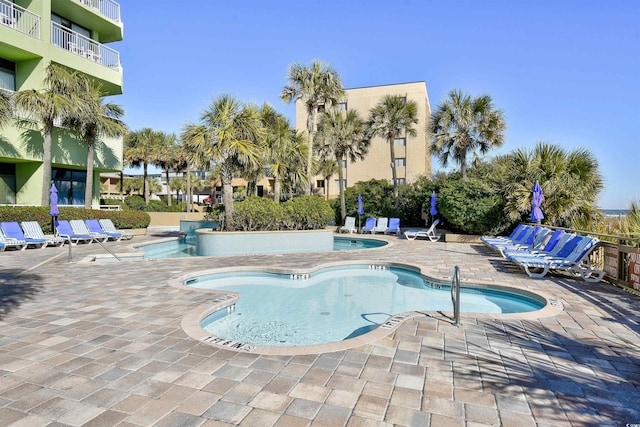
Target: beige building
[[413, 154]]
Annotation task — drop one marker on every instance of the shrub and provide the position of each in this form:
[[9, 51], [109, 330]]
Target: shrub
[[307, 213], [300, 213], [121, 219], [471, 206], [256, 213]]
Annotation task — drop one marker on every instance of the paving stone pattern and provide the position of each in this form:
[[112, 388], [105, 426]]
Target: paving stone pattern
[[100, 344]]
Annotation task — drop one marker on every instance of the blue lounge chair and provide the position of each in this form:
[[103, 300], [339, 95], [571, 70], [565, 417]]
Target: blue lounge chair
[[369, 225], [94, 227], [79, 227], [524, 238], [431, 233], [555, 239], [573, 258], [394, 226], [13, 232], [535, 241], [64, 230], [10, 243], [349, 225], [33, 230], [109, 227], [510, 237]]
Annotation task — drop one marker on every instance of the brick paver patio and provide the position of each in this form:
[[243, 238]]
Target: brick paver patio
[[101, 344]]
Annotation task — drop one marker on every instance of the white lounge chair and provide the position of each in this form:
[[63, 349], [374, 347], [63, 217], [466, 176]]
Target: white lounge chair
[[80, 227], [431, 233], [349, 225], [573, 258], [33, 230], [64, 230], [381, 225], [109, 227]]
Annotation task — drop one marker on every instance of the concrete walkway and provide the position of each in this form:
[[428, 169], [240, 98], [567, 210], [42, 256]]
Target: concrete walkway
[[101, 344]]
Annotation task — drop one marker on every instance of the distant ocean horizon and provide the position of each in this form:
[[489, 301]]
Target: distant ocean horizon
[[616, 212]]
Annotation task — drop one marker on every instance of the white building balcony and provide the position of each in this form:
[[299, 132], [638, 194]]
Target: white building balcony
[[20, 19], [107, 8], [84, 47]]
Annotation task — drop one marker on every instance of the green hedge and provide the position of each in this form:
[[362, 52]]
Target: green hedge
[[121, 219], [299, 213]]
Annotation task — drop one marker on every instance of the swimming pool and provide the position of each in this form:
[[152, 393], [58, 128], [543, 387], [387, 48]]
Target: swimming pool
[[336, 303], [185, 248]]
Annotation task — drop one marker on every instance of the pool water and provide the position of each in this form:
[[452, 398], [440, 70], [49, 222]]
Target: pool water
[[186, 247], [336, 303]]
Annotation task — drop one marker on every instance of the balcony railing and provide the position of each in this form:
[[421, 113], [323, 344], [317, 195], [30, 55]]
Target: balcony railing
[[20, 19], [107, 8], [83, 46]]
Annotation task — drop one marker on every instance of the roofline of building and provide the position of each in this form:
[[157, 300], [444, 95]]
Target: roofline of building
[[391, 84]]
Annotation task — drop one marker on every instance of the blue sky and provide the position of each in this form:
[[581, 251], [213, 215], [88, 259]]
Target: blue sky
[[563, 72]]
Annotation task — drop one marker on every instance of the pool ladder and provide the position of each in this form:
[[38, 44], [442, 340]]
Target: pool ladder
[[455, 295]]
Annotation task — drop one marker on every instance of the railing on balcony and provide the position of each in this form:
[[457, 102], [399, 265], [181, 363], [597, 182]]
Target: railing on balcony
[[108, 8], [20, 19], [83, 46]]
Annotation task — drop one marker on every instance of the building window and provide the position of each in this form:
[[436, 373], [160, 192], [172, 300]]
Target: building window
[[70, 185], [400, 142], [341, 106], [344, 164], [337, 184], [7, 75], [320, 183], [401, 162], [7, 183], [400, 181]]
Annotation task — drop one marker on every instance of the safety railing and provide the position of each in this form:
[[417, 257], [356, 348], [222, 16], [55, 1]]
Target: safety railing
[[455, 295], [20, 19], [83, 46], [108, 8]]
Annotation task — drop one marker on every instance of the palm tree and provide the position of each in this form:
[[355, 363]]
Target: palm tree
[[316, 85], [285, 151], [60, 98], [342, 136], [142, 148], [98, 120], [462, 125], [227, 134], [393, 117], [169, 158], [570, 181], [326, 168], [6, 110]]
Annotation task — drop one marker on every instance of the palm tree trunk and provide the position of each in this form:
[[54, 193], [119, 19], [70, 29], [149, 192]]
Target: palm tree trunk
[[145, 186], [276, 189], [463, 165], [166, 174], [188, 187], [394, 172], [46, 165], [227, 197], [343, 203], [314, 114], [88, 187]]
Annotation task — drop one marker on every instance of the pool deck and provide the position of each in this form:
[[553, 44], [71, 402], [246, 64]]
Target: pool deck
[[101, 344]]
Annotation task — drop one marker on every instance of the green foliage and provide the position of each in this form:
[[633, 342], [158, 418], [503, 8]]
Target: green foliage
[[136, 203], [256, 214], [413, 200], [121, 219], [300, 213], [307, 213], [471, 206], [377, 199]]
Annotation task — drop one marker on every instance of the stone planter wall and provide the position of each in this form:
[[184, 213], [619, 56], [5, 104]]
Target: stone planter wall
[[217, 243]]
